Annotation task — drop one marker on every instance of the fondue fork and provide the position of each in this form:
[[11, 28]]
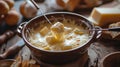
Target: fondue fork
[[115, 29], [38, 8]]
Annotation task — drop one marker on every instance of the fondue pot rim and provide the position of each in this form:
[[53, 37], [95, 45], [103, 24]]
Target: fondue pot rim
[[107, 57], [53, 13]]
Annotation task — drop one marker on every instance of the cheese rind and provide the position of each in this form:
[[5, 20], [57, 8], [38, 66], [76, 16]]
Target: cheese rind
[[104, 16]]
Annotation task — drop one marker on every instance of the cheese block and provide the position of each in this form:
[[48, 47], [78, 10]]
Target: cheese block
[[104, 16]]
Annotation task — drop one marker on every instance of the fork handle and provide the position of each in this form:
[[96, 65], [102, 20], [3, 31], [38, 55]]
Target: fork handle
[[116, 29]]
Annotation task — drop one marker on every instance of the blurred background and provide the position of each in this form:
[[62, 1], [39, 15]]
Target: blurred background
[[23, 11]]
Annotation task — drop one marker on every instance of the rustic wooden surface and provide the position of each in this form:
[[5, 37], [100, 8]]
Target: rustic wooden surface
[[96, 51]]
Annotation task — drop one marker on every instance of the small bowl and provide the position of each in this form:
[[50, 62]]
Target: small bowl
[[57, 57], [111, 60]]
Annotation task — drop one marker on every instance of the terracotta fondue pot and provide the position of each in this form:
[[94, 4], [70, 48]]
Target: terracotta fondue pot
[[57, 57]]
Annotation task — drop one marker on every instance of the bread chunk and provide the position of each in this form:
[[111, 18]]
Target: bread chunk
[[44, 31], [58, 31]]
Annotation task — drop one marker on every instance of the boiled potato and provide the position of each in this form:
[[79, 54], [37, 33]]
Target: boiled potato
[[10, 3], [4, 8], [12, 18]]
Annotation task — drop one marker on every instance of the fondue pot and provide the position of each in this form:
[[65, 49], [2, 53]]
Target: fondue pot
[[57, 57]]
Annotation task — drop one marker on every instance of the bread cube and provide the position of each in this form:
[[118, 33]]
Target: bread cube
[[44, 31], [47, 48], [77, 31], [50, 39], [68, 30], [67, 47], [58, 27], [58, 31]]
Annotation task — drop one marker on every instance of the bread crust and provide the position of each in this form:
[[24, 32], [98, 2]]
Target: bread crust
[[111, 35]]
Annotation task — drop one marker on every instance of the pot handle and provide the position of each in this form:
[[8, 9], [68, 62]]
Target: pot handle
[[98, 33], [96, 37], [19, 28]]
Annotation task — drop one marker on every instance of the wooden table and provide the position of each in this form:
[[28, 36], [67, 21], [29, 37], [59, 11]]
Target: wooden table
[[96, 51]]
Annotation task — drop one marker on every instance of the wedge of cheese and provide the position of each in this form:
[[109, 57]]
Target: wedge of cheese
[[104, 16]]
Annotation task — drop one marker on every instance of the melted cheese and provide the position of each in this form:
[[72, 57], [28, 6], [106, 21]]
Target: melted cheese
[[71, 39]]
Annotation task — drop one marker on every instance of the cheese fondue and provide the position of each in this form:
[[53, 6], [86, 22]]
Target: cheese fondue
[[59, 36]]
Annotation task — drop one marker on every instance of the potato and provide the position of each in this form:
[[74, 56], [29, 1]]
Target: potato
[[27, 11], [4, 8], [10, 3], [12, 18]]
